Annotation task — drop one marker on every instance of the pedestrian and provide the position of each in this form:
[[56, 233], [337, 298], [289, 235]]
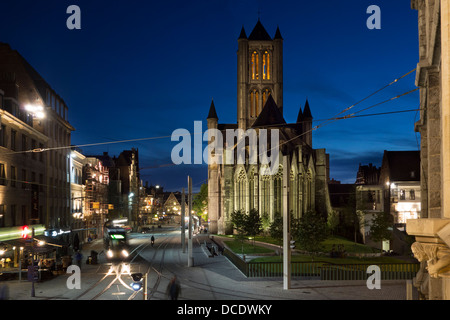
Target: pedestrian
[[4, 292], [78, 258], [153, 240], [174, 288]]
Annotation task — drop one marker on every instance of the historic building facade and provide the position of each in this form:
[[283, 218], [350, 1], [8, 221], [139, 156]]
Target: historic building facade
[[248, 185], [432, 230], [35, 118]]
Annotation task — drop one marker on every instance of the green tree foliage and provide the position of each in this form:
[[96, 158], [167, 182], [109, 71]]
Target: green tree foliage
[[276, 228], [246, 224], [333, 221], [380, 227], [253, 223], [311, 232], [238, 220], [200, 202]]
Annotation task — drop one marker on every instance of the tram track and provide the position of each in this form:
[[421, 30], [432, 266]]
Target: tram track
[[116, 269]]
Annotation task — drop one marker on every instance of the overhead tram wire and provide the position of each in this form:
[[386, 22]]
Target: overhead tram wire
[[353, 115], [333, 119]]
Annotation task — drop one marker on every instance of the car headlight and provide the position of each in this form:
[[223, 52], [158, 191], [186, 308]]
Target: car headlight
[[125, 253], [109, 253]]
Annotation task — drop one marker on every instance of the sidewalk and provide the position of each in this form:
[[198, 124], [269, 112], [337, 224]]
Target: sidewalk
[[223, 279], [55, 288]]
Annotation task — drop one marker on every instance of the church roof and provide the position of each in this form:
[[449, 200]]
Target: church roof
[[212, 112], [278, 34], [259, 33], [270, 115], [243, 35], [307, 111], [300, 116]]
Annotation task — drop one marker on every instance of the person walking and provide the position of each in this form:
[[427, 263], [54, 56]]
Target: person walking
[[78, 258], [174, 288]]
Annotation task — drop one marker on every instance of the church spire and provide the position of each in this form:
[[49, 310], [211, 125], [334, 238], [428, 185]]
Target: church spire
[[212, 112], [307, 111], [300, 116], [278, 34], [243, 35]]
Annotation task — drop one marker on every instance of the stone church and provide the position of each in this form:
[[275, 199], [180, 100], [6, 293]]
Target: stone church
[[245, 186]]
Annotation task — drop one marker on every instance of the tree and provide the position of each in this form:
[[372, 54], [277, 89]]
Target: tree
[[333, 220], [200, 202], [276, 228], [238, 219], [253, 224], [379, 229], [312, 231]]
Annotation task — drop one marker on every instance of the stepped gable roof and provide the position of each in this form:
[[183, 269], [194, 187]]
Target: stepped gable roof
[[259, 33], [270, 115]]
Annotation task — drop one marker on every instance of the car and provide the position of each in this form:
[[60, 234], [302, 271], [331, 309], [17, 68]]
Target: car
[[145, 230]]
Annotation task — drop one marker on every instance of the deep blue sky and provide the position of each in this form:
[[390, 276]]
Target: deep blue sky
[[141, 69]]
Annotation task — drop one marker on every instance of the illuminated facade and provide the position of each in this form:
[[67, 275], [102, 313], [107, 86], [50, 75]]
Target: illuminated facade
[[77, 196], [22, 174], [172, 207], [400, 179], [48, 166], [96, 180], [247, 186]]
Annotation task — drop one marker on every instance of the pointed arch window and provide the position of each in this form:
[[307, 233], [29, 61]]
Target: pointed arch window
[[241, 190], [278, 190], [265, 194], [265, 95], [266, 65], [251, 189], [254, 103], [255, 65]]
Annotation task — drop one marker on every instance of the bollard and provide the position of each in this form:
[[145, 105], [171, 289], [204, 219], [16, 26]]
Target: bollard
[[409, 290]]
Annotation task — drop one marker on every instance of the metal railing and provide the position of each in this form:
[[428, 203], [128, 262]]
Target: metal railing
[[389, 271], [323, 270]]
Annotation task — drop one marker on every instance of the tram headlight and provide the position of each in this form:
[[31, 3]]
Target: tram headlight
[[125, 253], [136, 286], [109, 253]]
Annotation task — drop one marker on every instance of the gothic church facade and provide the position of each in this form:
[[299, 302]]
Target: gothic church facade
[[246, 186]]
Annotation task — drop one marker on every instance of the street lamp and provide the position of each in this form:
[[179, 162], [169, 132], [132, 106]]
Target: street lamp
[[36, 110]]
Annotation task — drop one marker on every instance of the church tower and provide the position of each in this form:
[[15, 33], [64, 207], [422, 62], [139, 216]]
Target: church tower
[[260, 73]]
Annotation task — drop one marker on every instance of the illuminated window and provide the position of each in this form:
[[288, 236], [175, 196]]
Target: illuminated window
[[254, 103], [265, 95], [266, 65], [255, 65], [2, 174]]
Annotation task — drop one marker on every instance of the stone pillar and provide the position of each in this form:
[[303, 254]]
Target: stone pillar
[[445, 83]]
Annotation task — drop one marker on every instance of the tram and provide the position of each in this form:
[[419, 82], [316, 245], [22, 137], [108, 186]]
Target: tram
[[115, 242]]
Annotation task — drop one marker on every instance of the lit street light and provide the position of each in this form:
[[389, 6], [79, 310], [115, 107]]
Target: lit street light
[[36, 110]]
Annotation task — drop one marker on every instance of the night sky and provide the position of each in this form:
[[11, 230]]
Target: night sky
[[141, 69]]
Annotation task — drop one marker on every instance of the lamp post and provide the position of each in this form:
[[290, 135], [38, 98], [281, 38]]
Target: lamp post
[[37, 111]]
